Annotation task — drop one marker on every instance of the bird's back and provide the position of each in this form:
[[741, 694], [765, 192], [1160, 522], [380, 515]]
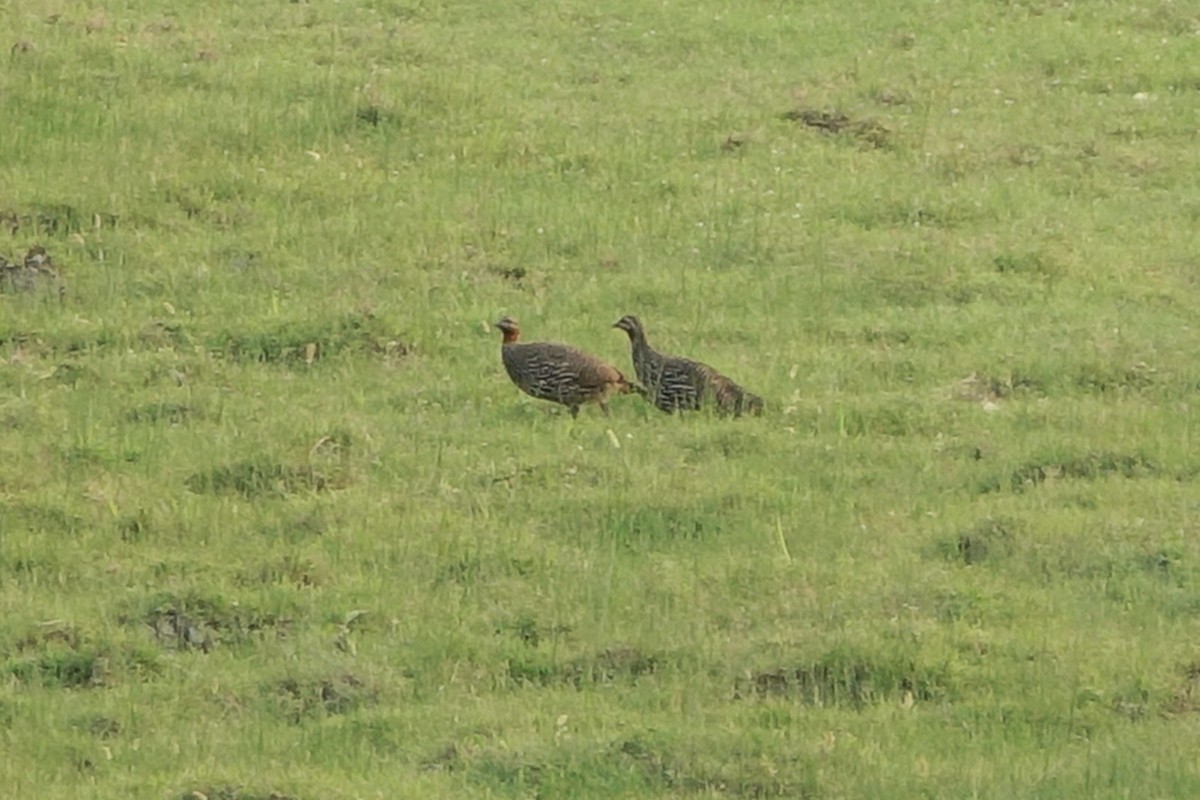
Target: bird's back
[[680, 384], [559, 372], [676, 383]]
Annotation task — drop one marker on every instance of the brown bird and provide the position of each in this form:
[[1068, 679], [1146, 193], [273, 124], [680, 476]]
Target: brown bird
[[674, 383], [559, 373]]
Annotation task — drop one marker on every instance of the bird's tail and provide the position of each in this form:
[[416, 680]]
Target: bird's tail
[[733, 399], [750, 403]]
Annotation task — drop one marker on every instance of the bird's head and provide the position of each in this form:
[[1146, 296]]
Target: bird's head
[[630, 324], [511, 329]]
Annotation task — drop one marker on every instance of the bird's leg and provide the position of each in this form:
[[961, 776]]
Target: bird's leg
[[574, 412], [604, 408]]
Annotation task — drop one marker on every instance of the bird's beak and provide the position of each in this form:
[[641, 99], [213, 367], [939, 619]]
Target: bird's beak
[[617, 324]]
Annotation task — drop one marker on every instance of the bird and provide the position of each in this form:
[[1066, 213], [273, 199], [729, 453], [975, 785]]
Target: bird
[[674, 383], [559, 373]]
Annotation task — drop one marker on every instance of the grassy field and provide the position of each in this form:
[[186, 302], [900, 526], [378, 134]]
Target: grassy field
[[274, 523]]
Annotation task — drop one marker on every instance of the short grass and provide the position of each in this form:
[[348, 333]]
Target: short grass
[[274, 522]]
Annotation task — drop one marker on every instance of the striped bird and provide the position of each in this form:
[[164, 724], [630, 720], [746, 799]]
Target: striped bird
[[674, 383], [559, 373]]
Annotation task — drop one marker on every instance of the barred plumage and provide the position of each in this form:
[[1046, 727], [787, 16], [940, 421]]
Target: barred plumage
[[674, 383], [557, 372]]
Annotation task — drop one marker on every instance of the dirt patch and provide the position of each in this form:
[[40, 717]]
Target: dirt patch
[[73, 373], [298, 699], [35, 273], [252, 479], [66, 669], [198, 622], [1132, 702], [39, 519], [846, 680], [867, 131], [510, 771], [885, 338], [232, 793], [1160, 560], [980, 386], [307, 342], [375, 116], [134, 527], [222, 208], [515, 275], [987, 539], [891, 96], [734, 142], [161, 334], [300, 528], [1105, 379], [1030, 264], [55, 654], [99, 726], [629, 767], [1090, 466], [1186, 697], [1092, 378], [662, 526], [527, 630], [289, 570], [619, 664], [613, 664], [169, 412], [37, 344], [55, 220], [472, 570]]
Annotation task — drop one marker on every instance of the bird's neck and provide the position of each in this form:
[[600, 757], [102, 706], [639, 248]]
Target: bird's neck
[[511, 337]]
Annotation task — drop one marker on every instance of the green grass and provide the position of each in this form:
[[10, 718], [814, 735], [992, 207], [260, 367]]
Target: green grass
[[275, 523]]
